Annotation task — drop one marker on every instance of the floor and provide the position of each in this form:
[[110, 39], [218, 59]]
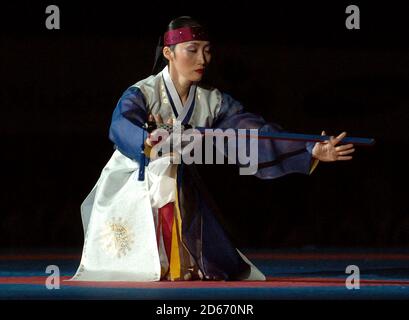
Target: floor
[[292, 274]]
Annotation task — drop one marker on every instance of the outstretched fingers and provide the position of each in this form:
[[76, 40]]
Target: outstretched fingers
[[343, 153], [338, 138], [344, 147], [323, 133], [343, 158]]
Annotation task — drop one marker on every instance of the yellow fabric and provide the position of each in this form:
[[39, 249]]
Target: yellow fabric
[[175, 256], [175, 269], [147, 150], [180, 262], [314, 164]]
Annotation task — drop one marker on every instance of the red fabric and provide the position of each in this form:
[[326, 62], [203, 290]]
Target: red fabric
[[166, 216], [184, 34]]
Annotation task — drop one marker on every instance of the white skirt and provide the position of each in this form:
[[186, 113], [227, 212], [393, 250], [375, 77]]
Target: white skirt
[[119, 220]]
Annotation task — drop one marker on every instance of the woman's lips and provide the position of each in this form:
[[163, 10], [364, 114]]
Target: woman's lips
[[200, 71]]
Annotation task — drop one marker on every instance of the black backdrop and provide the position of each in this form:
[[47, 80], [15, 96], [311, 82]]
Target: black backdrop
[[296, 65]]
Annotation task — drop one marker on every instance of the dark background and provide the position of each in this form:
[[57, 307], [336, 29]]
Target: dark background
[[294, 64]]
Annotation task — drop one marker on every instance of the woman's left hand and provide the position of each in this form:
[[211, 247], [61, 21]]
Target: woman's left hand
[[327, 151]]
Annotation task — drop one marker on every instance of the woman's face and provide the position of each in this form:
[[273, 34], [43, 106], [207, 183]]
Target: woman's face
[[190, 59]]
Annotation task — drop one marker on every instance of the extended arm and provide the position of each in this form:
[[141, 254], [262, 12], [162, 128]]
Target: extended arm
[[275, 157]]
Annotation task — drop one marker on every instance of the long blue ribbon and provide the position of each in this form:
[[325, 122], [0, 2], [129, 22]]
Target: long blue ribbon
[[297, 137], [279, 135]]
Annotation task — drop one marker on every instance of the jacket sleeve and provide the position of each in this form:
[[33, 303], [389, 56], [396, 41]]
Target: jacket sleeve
[[275, 157], [126, 130]]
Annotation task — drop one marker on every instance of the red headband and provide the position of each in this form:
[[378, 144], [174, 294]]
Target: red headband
[[184, 34]]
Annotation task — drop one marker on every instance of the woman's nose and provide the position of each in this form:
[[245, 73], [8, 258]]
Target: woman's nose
[[202, 59]]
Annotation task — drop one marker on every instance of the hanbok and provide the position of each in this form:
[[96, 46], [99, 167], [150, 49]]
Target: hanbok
[[148, 220]]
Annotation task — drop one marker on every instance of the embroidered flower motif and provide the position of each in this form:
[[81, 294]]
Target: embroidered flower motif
[[116, 237]]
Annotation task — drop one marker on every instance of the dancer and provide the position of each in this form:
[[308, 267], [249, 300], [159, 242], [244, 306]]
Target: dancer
[[148, 219]]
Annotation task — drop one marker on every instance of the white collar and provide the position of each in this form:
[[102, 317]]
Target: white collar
[[180, 108]]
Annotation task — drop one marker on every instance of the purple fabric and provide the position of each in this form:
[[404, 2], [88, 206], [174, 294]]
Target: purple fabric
[[285, 156], [202, 234], [126, 130]]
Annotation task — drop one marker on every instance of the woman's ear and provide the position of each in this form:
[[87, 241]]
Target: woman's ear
[[167, 53]]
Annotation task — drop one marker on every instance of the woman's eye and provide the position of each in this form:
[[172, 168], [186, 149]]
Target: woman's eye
[[191, 50]]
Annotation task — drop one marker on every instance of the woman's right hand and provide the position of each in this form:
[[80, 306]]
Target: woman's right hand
[[153, 138]]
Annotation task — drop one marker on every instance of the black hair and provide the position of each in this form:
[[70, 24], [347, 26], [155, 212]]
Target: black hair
[[180, 22]]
